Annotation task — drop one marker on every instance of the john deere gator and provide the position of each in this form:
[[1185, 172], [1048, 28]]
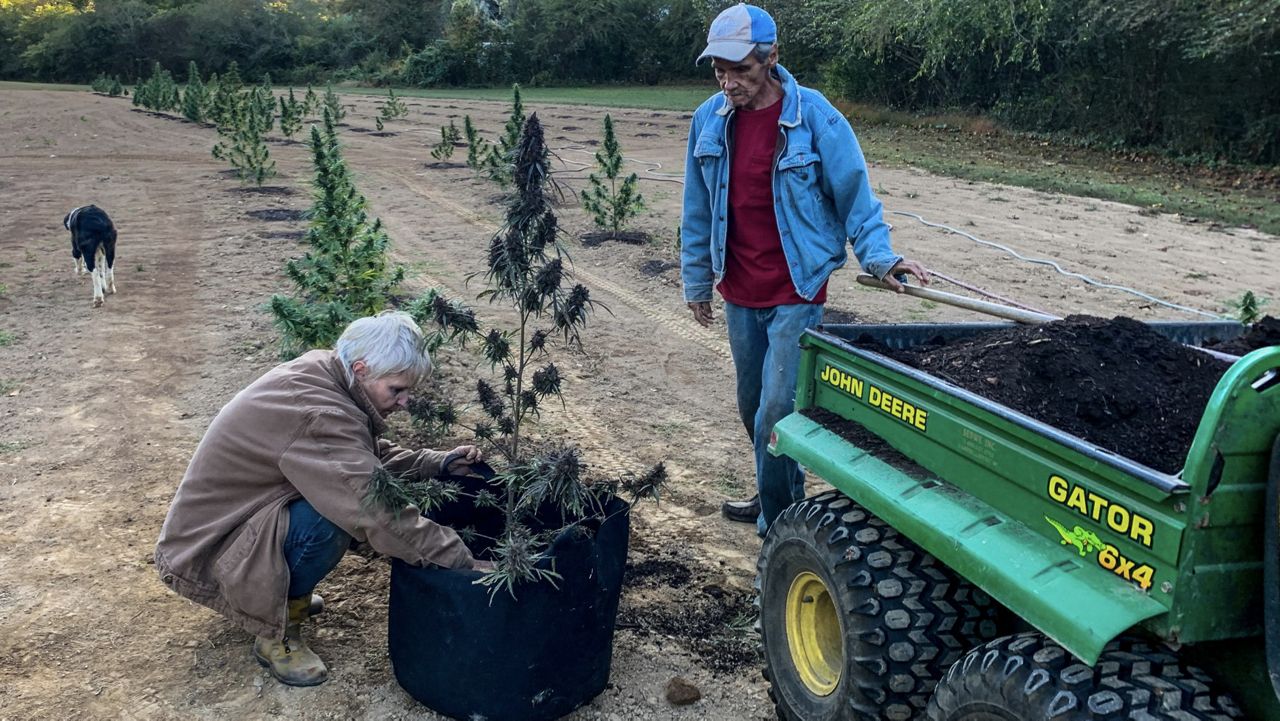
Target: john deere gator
[[976, 563]]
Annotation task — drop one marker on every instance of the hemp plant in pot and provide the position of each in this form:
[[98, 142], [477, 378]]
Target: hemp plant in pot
[[531, 639]]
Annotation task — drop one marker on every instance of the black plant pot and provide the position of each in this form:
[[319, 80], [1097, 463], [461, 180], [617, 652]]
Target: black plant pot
[[537, 656]]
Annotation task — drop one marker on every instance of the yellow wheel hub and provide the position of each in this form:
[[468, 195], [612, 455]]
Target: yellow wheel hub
[[813, 634]]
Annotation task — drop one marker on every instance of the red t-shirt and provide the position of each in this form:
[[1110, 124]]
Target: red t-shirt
[[755, 267]]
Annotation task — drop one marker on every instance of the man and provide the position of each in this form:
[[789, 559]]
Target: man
[[775, 184], [274, 495]]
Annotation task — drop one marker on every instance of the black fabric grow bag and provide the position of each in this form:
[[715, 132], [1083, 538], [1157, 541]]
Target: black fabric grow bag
[[537, 656]]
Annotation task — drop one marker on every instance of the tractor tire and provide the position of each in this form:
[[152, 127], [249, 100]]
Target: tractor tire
[[1027, 677], [857, 622]]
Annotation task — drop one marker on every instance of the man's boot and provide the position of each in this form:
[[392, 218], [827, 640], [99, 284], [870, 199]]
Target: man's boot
[[289, 660], [742, 511]]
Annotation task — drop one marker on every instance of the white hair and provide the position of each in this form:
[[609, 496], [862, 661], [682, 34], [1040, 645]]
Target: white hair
[[389, 343], [761, 51]]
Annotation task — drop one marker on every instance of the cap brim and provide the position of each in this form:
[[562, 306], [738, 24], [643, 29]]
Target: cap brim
[[731, 50]]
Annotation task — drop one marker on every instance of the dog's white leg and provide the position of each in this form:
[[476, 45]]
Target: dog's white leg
[[97, 287], [108, 273]]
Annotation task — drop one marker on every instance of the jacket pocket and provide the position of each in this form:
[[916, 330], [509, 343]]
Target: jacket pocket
[[708, 154]]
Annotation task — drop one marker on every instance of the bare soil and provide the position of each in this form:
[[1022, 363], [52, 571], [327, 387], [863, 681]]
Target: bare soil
[[101, 409]]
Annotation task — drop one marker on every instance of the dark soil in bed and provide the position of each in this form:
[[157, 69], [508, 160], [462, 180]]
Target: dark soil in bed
[[1265, 332], [1115, 383]]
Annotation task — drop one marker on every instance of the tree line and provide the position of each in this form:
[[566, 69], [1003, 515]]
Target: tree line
[[1191, 77]]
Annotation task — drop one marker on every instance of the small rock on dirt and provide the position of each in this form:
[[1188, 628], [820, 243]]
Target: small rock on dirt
[[682, 693]]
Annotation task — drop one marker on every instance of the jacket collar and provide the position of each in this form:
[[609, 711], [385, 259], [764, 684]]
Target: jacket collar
[[790, 116], [376, 422]]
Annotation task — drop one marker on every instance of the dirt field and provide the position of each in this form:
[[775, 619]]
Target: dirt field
[[101, 409]]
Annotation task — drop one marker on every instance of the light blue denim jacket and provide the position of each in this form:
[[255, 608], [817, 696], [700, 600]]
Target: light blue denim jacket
[[820, 190]]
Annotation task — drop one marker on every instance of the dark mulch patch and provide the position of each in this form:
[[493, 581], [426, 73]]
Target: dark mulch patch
[[285, 141], [630, 237], [858, 435], [360, 130], [656, 267], [277, 214], [1115, 383], [263, 190], [295, 235], [445, 165], [646, 135], [835, 316], [383, 134], [665, 597], [1265, 332], [568, 128]]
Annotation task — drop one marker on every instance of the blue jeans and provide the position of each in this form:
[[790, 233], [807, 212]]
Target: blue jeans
[[312, 547], [765, 343]]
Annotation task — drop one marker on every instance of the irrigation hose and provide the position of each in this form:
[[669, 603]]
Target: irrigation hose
[[1044, 261]]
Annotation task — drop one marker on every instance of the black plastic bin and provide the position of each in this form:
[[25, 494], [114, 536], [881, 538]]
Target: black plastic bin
[[538, 656]]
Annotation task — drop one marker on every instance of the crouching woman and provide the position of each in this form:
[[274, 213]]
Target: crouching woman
[[273, 495]]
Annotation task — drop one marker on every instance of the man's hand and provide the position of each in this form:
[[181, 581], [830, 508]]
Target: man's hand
[[469, 455], [702, 313], [905, 266], [482, 566]]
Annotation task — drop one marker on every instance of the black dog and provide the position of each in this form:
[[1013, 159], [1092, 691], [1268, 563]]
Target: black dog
[[93, 239]]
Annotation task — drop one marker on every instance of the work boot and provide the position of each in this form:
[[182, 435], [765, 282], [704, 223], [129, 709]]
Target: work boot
[[289, 660], [742, 511]]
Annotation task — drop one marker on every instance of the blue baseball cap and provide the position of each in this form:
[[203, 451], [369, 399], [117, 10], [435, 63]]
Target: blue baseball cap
[[736, 31]]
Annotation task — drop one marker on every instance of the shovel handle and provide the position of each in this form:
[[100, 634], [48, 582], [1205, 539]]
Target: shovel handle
[[981, 306]]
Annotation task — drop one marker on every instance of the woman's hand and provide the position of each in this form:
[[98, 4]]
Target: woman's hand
[[468, 455]]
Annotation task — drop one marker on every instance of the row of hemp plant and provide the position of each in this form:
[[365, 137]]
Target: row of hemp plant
[[158, 93], [346, 272], [108, 85], [527, 269], [244, 117]]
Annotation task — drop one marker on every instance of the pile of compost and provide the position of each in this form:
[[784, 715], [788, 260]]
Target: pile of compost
[[1265, 332], [1115, 383]]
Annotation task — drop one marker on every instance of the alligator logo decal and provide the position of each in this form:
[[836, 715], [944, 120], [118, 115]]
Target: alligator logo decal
[[1084, 541]]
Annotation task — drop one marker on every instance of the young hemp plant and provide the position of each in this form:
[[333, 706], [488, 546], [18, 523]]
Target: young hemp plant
[[611, 202], [449, 137]]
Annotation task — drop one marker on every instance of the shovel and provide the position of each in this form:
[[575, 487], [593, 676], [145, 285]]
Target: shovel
[[1019, 315]]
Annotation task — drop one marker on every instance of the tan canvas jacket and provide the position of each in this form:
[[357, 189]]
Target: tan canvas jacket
[[301, 430]]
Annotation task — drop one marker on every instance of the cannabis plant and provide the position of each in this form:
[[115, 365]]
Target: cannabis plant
[[333, 106], [499, 163], [477, 147], [611, 204], [158, 92], [310, 102], [195, 98], [242, 142], [449, 136], [291, 113], [1248, 307], [391, 109], [527, 268], [225, 96], [346, 272]]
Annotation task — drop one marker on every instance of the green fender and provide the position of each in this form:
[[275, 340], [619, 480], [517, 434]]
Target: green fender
[[1064, 595]]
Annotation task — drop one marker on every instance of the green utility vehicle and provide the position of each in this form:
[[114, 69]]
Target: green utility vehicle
[[980, 564]]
